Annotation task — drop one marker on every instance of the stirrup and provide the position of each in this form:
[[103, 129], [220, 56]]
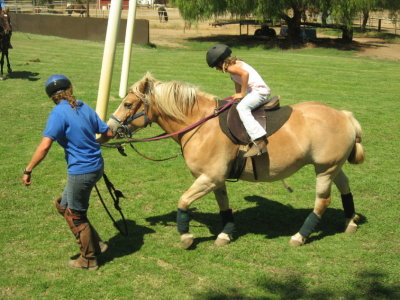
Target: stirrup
[[256, 150]]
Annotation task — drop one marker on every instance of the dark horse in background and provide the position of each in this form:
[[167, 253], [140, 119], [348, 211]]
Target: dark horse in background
[[162, 14], [78, 8], [5, 38]]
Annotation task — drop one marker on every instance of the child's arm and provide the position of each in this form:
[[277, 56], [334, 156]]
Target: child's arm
[[238, 87], [241, 89]]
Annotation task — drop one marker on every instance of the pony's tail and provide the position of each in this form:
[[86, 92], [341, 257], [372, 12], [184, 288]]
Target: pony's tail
[[357, 154]]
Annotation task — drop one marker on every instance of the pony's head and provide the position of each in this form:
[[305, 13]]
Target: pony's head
[[5, 23], [149, 99]]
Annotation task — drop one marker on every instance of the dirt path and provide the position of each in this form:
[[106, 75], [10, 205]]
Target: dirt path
[[378, 49]]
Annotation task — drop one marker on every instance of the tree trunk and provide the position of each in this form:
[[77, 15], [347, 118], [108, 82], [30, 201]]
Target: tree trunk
[[365, 20], [347, 34], [324, 16], [294, 25]]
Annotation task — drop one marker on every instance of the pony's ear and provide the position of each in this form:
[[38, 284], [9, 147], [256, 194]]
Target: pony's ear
[[147, 83]]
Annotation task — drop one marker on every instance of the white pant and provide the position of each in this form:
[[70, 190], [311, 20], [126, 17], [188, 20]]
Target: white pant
[[249, 102]]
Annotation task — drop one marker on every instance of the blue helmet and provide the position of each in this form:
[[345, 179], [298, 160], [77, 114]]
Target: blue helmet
[[57, 83]]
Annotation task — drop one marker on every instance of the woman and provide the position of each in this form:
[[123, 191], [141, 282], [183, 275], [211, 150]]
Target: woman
[[74, 125]]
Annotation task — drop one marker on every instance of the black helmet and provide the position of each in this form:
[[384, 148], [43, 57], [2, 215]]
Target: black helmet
[[57, 83], [217, 54]]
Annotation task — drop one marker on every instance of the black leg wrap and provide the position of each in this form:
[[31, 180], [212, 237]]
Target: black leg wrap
[[309, 225], [182, 221], [348, 205], [227, 221]]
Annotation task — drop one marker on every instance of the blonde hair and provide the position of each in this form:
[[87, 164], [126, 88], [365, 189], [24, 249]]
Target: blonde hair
[[67, 95], [229, 61]]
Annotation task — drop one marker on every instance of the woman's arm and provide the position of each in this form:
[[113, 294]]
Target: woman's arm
[[37, 157], [105, 137]]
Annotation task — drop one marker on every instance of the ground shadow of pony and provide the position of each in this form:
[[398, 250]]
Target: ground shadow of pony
[[120, 245], [365, 284], [269, 218], [31, 76]]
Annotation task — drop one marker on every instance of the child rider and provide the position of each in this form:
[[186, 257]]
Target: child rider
[[249, 86]]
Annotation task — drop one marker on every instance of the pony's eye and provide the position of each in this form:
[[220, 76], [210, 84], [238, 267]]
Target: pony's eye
[[128, 105]]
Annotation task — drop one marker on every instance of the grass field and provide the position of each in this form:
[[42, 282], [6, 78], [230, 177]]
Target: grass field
[[35, 242]]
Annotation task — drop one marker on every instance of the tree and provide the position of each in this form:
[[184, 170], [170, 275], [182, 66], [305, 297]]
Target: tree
[[289, 10], [344, 12]]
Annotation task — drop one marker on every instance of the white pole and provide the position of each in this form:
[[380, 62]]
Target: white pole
[[108, 58], [130, 26]]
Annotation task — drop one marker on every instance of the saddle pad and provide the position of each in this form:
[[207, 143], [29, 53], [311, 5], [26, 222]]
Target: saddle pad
[[232, 126]]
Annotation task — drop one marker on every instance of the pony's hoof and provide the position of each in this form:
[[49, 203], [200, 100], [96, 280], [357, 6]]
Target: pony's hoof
[[223, 239], [186, 240], [351, 226], [297, 240]]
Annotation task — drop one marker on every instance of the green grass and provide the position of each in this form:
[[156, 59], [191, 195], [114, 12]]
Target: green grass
[[35, 242]]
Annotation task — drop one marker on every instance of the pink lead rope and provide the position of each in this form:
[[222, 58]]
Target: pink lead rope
[[164, 136]]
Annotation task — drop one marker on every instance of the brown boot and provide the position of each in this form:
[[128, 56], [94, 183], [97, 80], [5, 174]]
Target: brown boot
[[60, 210], [258, 147], [103, 246], [86, 238], [84, 263]]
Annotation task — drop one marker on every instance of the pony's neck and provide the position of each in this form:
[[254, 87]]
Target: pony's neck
[[203, 107]]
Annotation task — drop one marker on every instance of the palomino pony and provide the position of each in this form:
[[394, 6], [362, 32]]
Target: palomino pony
[[314, 134], [5, 37]]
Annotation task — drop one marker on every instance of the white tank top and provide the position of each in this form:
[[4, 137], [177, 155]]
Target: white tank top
[[256, 83]]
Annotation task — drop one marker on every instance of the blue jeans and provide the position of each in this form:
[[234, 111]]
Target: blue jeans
[[77, 191]]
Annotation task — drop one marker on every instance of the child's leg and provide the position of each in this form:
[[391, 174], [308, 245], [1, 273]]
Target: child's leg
[[244, 108]]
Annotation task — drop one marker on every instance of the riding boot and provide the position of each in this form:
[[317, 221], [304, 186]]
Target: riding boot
[[258, 147], [83, 264], [60, 209], [87, 259], [103, 246], [86, 238]]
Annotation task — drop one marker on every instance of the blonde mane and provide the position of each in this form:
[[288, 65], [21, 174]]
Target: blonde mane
[[174, 99]]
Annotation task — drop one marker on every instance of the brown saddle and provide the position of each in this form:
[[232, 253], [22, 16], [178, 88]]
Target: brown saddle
[[270, 116]]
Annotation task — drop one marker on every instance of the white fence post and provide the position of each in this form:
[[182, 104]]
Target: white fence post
[[130, 26], [108, 58]]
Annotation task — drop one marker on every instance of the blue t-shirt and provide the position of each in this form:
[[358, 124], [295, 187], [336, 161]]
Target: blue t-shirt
[[2, 4], [75, 130]]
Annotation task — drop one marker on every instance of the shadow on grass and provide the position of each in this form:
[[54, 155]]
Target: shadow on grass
[[364, 285], [26, 75], [120, 245], [248, 41], [269, 218]]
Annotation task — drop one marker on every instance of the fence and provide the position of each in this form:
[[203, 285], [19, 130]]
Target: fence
[[76, 28]]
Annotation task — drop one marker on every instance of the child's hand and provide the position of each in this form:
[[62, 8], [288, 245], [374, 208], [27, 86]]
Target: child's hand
[[238, 96]]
